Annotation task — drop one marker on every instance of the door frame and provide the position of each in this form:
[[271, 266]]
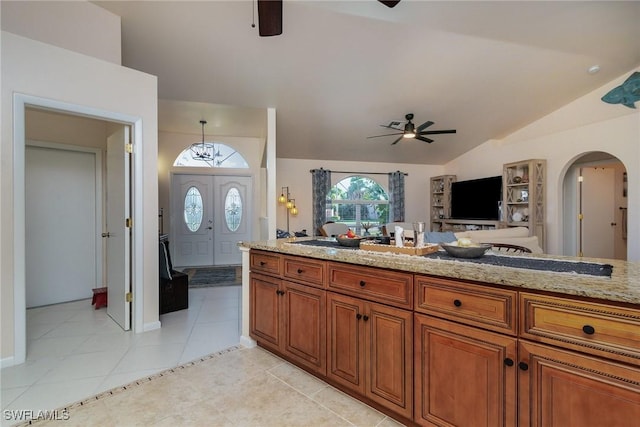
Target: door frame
[[20, 103]]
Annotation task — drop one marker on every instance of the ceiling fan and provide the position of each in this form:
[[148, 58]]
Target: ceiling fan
[[410, 131], [270, 16]]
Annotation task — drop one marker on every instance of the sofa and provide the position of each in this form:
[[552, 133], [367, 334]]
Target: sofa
[[518, 236]]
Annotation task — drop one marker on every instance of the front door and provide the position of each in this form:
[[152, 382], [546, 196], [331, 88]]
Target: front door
[[117, 234], [210, 215]]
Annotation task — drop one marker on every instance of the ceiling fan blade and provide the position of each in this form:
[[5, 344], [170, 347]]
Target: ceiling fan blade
[[389, 3], [436, 132], [389, 134], [424, 126], [397, 140], [423, 139], [269, 17]]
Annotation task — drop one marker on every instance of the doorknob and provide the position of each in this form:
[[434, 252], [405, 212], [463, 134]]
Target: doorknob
[[107, 234]]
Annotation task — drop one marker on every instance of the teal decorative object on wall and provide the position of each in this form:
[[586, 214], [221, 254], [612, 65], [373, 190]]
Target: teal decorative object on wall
[[627, 93]]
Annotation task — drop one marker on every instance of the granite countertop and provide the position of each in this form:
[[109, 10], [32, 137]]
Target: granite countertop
[[622, 286]]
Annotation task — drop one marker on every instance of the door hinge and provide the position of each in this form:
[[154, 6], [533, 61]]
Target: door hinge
[[580, 217], [128, 223], [128, 297], [128, 148]]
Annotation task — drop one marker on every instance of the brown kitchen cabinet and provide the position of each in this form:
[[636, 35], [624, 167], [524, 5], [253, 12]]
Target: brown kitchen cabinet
[[464, 376], [370, 350], [289, 318], [559, 388]]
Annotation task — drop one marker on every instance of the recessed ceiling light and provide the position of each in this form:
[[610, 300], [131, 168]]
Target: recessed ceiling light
[[593, 69]]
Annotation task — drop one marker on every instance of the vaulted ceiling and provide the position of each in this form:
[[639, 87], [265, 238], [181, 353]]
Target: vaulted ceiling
[[343, 68]]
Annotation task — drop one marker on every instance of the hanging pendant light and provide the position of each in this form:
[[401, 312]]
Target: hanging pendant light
[[204, 151]]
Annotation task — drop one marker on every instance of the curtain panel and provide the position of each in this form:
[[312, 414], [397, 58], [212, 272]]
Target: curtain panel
[[320, 187], [396, 196]]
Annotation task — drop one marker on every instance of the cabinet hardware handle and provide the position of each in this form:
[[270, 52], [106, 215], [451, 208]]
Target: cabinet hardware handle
[[523, 366], [300, 271], [508, 361], [362, 283], [358, 316], [365, 317], [280, 293], [457, 302], [588, 329], [262, 262]]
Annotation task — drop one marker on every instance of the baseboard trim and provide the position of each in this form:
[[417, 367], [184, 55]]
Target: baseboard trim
[[7, 361], [247, 342], [151, 326]]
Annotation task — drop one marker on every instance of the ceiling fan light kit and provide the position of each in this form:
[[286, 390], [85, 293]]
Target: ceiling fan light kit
[[411, 132]]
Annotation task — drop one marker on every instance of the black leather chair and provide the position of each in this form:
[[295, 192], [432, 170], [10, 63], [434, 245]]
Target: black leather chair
[[174, 285]]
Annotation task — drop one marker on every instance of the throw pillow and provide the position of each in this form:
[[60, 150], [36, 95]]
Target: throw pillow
[[439, 236]]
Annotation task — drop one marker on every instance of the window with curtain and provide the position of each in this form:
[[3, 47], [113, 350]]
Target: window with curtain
[[359, 202]]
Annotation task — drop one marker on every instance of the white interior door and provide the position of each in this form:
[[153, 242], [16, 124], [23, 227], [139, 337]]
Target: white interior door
[[62, 252], [597, 229], [192, 220], [117, 234], [232, 219]]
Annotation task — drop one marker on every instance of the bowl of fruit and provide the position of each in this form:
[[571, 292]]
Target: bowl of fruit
[[465, 248], [350, 239]]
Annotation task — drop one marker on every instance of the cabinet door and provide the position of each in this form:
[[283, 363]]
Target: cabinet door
[[264, 316], [304, 317], [464, 376], [562, 388], [345, 364], [389, 347]]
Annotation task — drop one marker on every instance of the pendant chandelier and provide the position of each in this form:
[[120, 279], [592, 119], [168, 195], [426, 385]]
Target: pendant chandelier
[[204, 151]]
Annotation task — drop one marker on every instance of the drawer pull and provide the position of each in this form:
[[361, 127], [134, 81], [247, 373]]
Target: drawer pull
[[358, 316], [588, 329], [300, 271], [365, 317], [263, 263], [508, 361], [362, 283], [523, 366], [457, 302], [280, 293]]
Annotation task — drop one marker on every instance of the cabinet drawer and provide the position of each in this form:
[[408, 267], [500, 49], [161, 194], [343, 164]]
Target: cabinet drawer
[[265, 262], [390, 287], [599, 329], [306, 270], [475, 305]]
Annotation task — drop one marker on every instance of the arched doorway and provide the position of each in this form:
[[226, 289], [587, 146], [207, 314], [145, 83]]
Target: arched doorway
[[595, 207]]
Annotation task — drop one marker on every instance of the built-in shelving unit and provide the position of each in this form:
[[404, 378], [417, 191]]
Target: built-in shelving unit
[[523, 195], [440, 200]]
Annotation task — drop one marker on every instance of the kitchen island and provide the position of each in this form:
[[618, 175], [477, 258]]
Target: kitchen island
[[420, 337]]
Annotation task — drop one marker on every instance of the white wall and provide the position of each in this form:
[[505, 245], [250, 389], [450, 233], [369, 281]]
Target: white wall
[[585, 125], [88, 84], [294, 173], [79, 26]]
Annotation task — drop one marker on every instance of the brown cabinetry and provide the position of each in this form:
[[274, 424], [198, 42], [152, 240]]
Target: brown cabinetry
[[390, 287], [371, 350], [447, 352], [561, 388], [463, 376], [289, 318]]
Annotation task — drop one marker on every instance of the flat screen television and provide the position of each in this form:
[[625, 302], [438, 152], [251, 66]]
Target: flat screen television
[[476, 198]]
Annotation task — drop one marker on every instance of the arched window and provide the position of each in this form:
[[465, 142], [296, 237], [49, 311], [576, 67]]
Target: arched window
[[359, 202], [211, 155]]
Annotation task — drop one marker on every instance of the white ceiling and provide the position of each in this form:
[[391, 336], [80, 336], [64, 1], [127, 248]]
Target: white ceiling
[[342, 68]]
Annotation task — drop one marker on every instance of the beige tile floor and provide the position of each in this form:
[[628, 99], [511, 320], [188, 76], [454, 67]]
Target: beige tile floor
[[176, 376]]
